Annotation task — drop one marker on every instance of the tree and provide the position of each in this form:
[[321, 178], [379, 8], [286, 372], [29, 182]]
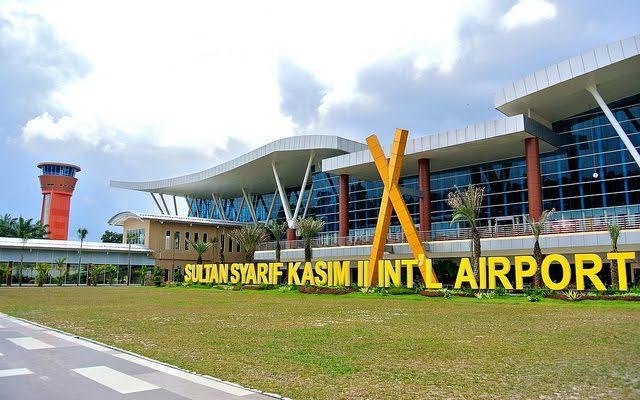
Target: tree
[[82, 234], [60, 265], [7, 226], [309, 228], [277, 230], [200, 248], [4, 270], [111, 237], [42, 273], [249, 237], [466, 208], [614, 234], [536, 229]]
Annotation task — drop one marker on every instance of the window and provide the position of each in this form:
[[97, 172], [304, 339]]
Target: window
[[46, 208], [186, 240], [167, 240], [238, 247], [176, 240], [205, 238], [135, 236], [222, 242], [230, 245], [195, 237]]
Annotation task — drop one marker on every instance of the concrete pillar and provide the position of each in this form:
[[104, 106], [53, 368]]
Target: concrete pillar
[[343, 209], [534, 181], [424, 185]]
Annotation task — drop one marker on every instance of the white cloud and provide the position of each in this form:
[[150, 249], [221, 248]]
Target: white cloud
[[195, 75], [528, 12]]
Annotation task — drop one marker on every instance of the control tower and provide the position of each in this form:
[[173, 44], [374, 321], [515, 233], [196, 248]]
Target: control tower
[[57, 181]]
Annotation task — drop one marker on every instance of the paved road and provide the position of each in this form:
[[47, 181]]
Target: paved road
[[39, 363]]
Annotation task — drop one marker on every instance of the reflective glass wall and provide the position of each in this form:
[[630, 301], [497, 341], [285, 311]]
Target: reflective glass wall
[[592, 174]]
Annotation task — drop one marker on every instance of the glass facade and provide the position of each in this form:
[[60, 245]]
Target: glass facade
[[61, 170], [592, 174]]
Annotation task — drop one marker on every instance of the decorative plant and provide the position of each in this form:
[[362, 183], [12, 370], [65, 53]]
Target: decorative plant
[[200, 248], [82, 234], [157, 276], [466, 208], [614, 234], [143, 275], [60, 265], [309, 228], [249, 237], [94, 273], [277, 230], [4, 269], [572, 295], [110, 271], [536, 230], [42, 273]]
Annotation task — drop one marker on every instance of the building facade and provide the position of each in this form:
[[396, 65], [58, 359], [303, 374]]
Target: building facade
[[170, 239], [568, 141]]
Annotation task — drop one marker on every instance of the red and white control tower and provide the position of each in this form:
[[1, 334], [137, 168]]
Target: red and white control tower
[[57, 181]]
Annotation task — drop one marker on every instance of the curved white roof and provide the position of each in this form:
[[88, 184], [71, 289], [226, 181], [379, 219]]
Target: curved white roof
[[252, 170], [558, 91], [120, 218]]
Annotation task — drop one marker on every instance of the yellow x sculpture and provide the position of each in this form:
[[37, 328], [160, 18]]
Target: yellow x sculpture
[[392, 200]]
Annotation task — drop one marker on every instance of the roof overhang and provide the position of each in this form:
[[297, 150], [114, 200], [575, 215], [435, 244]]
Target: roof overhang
[[70, 245], [558, 91], [476, 144], [120, 218], [252, 171]]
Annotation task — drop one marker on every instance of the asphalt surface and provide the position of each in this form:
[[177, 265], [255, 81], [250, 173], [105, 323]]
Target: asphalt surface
[[40, 363]]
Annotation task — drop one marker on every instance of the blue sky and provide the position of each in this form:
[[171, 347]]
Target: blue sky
[[139, 91]]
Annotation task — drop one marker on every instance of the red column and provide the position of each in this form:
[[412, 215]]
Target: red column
[[534, 181], [343, 209], [291, 234], [424, 185]]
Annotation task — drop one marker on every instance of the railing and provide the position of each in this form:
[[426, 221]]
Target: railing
[[486, 232]]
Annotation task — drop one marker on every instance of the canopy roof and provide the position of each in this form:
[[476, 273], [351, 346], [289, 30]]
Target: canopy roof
[[120, 218], [252, 171], [558, 91]]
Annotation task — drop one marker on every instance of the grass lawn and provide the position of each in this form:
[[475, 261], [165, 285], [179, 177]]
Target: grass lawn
[[360, 346]]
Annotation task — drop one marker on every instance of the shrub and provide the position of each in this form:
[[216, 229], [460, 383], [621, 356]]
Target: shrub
[[398, 290], [534, 298], [96, 271], [432, 293], [500, 291], [324, 290]]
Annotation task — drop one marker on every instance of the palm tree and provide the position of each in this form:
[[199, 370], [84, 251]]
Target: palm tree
[[131, 237], [61, 268], [7, 226], [466, 208], [536, 229], [249, 237], [200, 248], [82, 234], [309, 228], [277, 230], [614, 233]]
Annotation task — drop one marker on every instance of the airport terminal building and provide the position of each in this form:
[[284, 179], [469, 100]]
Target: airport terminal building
[[568, 140]]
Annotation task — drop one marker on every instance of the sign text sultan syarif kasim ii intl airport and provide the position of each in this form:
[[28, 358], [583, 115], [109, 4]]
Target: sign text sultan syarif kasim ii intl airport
[[379, 272]]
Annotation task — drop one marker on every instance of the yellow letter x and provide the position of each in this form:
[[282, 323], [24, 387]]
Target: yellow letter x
[[392, 199]]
